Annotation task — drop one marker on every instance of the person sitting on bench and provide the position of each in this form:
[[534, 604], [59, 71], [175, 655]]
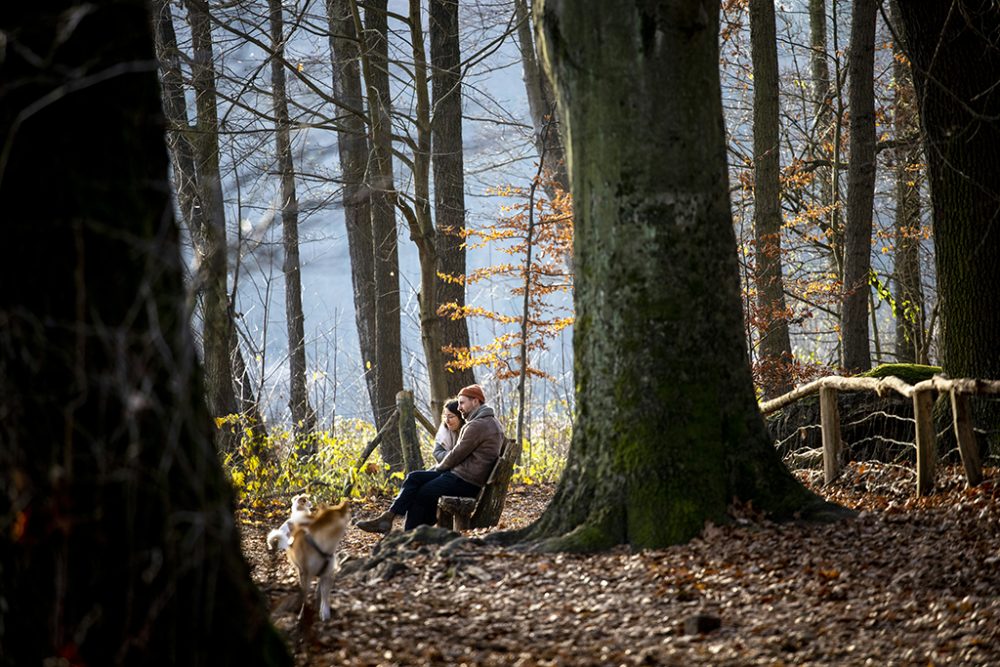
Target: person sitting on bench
[[452, 422], [462, 472]]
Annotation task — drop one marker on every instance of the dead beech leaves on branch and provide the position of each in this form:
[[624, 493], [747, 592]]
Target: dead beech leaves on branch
[[545, 226]]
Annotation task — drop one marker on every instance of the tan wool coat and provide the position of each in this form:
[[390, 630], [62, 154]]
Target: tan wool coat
[[477, 449]]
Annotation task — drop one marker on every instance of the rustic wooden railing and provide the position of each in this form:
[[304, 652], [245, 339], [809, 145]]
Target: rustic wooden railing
[[922, 395]]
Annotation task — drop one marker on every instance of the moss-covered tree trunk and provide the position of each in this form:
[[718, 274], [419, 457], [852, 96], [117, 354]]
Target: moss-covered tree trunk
[[667, 432], [117, 539], [956, 65]]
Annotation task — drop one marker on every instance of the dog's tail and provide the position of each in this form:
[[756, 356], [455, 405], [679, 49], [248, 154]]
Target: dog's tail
[[277, 540]]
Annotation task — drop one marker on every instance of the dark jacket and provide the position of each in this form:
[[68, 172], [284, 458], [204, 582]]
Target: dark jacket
[[477, 449]]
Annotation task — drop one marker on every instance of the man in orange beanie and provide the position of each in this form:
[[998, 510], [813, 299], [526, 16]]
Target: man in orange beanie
[[462, 472]]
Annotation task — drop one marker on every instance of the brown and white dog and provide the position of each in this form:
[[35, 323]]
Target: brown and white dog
[[313, 551], [281, 537]]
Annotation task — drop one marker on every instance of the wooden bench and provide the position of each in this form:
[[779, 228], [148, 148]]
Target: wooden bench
[[483, 511]]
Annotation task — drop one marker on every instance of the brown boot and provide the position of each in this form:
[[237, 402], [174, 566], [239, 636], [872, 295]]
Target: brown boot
[[380, 524]]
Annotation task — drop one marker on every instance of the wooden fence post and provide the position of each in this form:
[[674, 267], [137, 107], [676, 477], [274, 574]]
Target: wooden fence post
[[967, 445], [412, 460], [923, 414], [829, 417]]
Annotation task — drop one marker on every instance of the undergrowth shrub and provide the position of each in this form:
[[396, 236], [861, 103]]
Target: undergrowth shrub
[[267, 470], [542, 461], [321, 464]]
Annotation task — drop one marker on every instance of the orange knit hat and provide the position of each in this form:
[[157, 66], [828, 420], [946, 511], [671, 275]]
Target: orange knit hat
[[473, 391]]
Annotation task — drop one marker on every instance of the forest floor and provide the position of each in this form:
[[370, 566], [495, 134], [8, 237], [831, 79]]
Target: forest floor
[[908, 582]]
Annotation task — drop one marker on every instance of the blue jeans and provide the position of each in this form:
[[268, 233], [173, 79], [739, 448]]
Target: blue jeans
[[418, 497]]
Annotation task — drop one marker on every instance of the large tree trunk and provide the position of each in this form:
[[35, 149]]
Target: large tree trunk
[[388, 350], [906, 275], [303, 416], [213, 265], [449, 177], [667, 432], [860, 190], [775, 348], [118, 542], [956, 65]]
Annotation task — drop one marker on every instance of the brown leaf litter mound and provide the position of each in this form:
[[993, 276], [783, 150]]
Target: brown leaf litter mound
[[909, 582]]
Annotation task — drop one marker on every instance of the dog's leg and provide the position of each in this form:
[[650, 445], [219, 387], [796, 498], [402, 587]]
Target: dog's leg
[[323, 590], [303, 592]]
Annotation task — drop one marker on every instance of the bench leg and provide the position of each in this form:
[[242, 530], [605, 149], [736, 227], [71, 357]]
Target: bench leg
[[461, 522], [444, 519]]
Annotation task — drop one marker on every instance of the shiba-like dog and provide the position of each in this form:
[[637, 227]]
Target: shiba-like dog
[[281, 537], [313, 551]]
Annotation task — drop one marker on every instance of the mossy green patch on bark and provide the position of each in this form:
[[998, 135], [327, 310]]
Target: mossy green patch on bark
[[909, 373], [601, 530]]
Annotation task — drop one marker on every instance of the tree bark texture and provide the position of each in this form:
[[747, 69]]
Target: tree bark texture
[[388, 352], [860, 190], [667, 431], [213, 265], [909, 293], [303, 416], [180, 140], [421, 223], [956, 65], [541, 103], [352, 147], [775, 348], [117, 536], [355, 150], [823, 132], [449, 178]]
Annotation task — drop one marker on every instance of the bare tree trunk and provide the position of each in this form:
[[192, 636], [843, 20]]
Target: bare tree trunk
[[180, 144], [119, 545], [214, 263], [909, 291], [421, 224], [179, 133], [303, 416], [860, 189], [449, 178], [541, 102], [388, 353], [775, 346], [352, 146], [823, 132]]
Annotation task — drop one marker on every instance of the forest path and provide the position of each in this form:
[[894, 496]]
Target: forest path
[[910, 581]]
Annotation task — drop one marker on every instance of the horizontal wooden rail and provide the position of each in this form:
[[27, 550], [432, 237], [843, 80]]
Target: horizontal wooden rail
[[922, 396]]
